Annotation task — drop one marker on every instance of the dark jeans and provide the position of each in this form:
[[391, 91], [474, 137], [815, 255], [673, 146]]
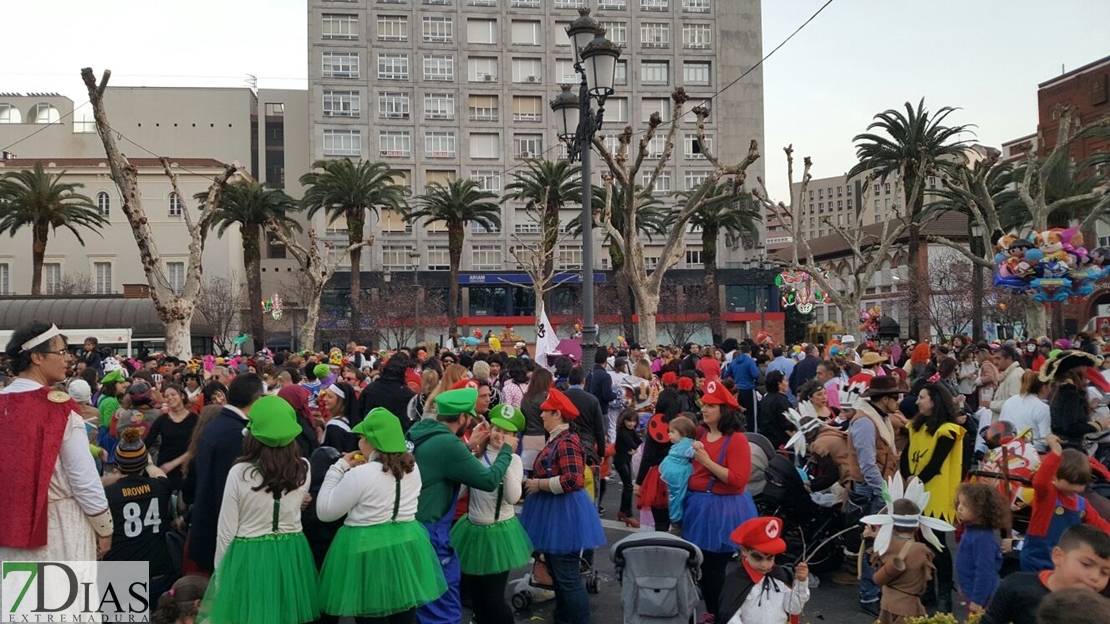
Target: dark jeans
[[404, 617], [624, 469], [713, 571], [870, 502], [661, 516], [747, 400], [572, 605], [487, 597]]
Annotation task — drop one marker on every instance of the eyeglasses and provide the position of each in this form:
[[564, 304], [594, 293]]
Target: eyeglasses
[[61, 352]]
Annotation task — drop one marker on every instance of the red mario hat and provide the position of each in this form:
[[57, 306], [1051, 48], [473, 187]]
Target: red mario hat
[[657, 429], [558, 401], [717, 394], [761, 534], [465, 383]]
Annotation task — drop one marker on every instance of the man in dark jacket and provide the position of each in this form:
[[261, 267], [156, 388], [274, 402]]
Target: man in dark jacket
[[805, 370], [590, 424], [388, 390], [219, 445], [600, 382]]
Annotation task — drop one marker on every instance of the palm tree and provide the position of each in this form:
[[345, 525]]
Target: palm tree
[[43, 202], [723, 213], [252, 206], [915, 145], [344, 189], [1066, 179], [546, 187], [456, 205]]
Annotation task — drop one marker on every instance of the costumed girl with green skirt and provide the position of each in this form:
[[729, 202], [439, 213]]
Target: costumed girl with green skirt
[[259, 538], [377, 488], [489, 539]]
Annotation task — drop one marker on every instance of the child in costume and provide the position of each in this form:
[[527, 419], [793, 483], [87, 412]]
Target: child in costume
[[628, 441], [377, 488], [489, 539], [259, 539], [181, 603], [1057, 504], [757, 591], [984, 513], [903, 566], [677, 466]]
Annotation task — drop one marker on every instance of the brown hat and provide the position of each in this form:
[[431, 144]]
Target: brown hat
[[884, 386], [871, 358]]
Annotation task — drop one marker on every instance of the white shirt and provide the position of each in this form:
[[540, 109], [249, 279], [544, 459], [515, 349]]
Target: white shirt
[[772, 607], [366, 494], [249, 513], [1028, 412], [481, 507]]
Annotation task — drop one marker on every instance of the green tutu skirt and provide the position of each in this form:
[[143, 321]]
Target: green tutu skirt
[[265, 580], [490, 548], [379, 570]]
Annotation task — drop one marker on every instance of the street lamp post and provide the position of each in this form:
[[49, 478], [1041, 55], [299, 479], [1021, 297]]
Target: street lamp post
[[976, 283], [595, 60], [415, 258]]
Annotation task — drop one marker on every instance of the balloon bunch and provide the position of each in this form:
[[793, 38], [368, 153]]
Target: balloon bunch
[[869, 320], [1052, 264], [273, 306], [798, 290]]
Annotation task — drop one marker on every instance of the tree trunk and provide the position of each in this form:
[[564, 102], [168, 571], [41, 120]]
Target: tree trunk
[[913, 250], [252, 262], [624, 294], [179, 337], [550, 230], [647, 306], [455, 237], [709, 258], [354, 236], [38, 253]]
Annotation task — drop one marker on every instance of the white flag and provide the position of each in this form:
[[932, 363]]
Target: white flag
[[546, 340]]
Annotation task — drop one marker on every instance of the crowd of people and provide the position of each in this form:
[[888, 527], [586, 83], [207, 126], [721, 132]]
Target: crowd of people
[[284, 487]]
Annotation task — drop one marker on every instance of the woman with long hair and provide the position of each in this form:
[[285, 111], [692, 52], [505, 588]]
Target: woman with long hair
[[813, 400], [948, 371], [935, 456], [173, 430], [1070, 410], [534, 436], [773, 422], [341, 406], [919, 364], [298, 397], [512, 391], [377, 489], [968, 377], [1028, 410], [452, 374], [429, 379], [260, 543]]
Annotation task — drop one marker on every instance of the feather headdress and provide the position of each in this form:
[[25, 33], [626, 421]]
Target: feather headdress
[[802, 426], [914, 491]]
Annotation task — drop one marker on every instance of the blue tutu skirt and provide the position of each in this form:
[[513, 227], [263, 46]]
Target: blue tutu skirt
[[709, 519], [562, 524]]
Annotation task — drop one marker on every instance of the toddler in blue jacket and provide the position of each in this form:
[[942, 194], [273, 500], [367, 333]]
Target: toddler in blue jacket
[[677, 466], [984, 514]]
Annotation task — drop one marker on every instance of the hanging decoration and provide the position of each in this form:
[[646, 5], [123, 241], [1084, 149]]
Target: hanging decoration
[[1051, 264], [273, 306], [799, 290], [869, 321]]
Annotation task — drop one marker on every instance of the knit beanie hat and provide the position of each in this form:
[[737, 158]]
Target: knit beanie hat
[[131, 453], [80, 391]]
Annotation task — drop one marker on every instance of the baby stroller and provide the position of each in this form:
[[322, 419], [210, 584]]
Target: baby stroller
[[539, 586], [805, 523], [659, 574]]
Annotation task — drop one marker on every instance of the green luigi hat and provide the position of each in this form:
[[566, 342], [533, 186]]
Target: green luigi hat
[[112, 377], [507, 417], [383, 431], [321, 371], [273, 421], [452, 402]]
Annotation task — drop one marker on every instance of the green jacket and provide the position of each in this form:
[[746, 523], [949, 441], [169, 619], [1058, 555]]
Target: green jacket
[[444, 463]]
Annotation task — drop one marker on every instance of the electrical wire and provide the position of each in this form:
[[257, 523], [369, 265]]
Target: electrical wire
[[46, 126]]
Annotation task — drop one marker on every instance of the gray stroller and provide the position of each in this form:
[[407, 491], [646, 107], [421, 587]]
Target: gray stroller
[[659, 575]]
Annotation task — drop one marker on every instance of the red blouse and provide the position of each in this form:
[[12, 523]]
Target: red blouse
[[738, 460]]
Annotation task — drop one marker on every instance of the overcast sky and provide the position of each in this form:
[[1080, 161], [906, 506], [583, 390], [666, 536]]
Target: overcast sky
[[857, 58]]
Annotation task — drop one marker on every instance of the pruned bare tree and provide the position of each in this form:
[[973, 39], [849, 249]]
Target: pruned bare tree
[[678, 305], [392, 317], [541, 269], [950, 303], [174, 308], [221, 302], [624, 169], [75, 284]]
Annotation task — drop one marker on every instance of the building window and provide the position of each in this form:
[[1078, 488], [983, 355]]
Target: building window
[[439, 106], [655, 5], [478, 228], [650, 262], [175, 205], [341, 103], [620, 75], [103, 203], [526, 70], [393, 222], [655, 35], [656, 105], [393, 105], [656, 146], [887, 188], [696, 36], [617, 32], [9, 115], [530, 226], [611, 5], [395, 143], [438, 258], [481, 31], [695, 6], [692, 179], [487, 179], [528, 145], [482, 69], [438, 29], [83, 122], [393, 66], [52, 277], [485, 257], [440, 177], [393, 28], [655, 72], [339, 26], [342, 142], [275, 249], [569, 4], [529, 108], [693, 257], [44, 114], [525, 32], [439, 67], [396, 257], [103, 272], [340, 65], [439, 144], [483, 107], [616, 109], [662, 183], [696, 72], [485, 145], [564, 71], [175, 272], [693, 147]]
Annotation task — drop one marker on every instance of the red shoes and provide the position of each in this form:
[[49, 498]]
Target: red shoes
[[628, 520]]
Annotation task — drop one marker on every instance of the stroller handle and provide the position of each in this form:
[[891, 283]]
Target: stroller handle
[[693, 560]]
